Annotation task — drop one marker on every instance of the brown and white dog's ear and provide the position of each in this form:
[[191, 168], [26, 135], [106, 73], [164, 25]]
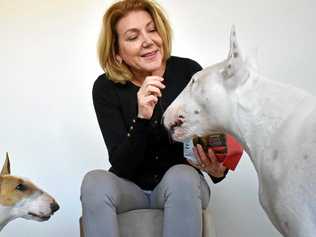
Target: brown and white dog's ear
[[6, 166]]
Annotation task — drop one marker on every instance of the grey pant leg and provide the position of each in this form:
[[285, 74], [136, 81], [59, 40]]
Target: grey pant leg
[[103, 196], [182, 193]]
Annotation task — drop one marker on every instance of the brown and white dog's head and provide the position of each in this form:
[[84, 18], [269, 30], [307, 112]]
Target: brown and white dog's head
[[21, 198]]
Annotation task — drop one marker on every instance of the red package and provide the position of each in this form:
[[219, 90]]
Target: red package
[[234, 152], [225, 147]]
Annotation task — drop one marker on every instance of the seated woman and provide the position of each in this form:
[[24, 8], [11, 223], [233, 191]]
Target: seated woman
[[148, 169]]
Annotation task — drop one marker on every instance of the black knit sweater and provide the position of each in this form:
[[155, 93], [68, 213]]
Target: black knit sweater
[[140, 150]]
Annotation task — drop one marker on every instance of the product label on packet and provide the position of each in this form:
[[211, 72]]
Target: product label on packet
[[188, 150], [215, 141]]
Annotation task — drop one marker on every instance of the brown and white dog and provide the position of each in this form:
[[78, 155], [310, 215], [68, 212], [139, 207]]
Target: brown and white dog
[[21, 198]]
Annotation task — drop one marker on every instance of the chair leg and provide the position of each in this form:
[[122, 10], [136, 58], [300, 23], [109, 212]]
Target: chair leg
[[81, 227]]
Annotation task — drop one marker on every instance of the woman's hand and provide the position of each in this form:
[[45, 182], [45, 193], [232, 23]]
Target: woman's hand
[[147, 96], [208, 162]]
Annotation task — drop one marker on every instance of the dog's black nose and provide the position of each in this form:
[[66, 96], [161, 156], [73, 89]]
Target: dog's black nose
[[54, 206]]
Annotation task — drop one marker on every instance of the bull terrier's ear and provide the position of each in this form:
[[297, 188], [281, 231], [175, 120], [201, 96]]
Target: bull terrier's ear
[[234, 60], [6, 166], [234, 51]]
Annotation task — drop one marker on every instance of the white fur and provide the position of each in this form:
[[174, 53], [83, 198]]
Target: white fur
[[275, 123]]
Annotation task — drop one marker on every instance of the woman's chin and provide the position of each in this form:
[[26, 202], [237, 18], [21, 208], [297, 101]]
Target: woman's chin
[[151, 66]]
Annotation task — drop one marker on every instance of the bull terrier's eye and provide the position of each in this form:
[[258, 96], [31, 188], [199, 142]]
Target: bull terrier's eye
[[21, 187], [224, 74]]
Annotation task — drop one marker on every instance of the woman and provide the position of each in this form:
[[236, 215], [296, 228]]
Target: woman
[[148, 169]]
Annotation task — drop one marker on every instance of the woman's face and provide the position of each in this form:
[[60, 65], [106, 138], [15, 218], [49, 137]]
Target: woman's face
[[140, 45]]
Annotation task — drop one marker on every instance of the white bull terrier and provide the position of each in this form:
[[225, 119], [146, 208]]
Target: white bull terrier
[[21, 198], [275, 123]]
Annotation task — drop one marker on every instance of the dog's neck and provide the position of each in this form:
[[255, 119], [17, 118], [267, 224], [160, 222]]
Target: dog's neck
[[259, 108], [5, 216]]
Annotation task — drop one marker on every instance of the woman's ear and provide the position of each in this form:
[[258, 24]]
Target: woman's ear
[[118, 59]]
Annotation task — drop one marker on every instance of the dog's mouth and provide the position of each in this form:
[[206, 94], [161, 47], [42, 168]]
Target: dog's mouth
[[178, 132], [176, 124], [39, 217]]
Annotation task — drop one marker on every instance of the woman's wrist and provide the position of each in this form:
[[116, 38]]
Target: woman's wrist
[[140, 116], [219, 174]]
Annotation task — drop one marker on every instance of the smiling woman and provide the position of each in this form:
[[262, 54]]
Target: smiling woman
[[148, 169], [140, 45], [117, 34]]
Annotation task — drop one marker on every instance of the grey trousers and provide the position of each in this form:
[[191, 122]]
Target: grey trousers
[[182, 193]]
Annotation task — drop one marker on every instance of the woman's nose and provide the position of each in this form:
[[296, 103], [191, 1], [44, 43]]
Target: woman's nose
[[147, 41]]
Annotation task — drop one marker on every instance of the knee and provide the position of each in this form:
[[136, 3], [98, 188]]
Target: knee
[[182, 177], [91, 181], [183, 184], [97, 186]]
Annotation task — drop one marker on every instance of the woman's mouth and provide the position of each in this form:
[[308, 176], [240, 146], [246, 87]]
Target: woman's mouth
[[150, 55]]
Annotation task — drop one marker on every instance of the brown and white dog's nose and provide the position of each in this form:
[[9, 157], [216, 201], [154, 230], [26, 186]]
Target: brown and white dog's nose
[[54, 207]]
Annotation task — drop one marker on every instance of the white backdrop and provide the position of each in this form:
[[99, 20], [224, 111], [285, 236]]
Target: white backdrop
[[48, 65]]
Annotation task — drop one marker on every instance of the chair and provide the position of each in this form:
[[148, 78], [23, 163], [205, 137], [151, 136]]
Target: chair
[[148, 223]]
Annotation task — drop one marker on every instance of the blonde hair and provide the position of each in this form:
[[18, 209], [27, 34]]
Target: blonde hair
[[108, 38]]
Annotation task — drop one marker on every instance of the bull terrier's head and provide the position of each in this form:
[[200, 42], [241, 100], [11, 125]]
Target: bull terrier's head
[[21, 198], [203, 107]]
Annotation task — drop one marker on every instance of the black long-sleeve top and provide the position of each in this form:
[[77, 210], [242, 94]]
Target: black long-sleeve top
[[141, 150]]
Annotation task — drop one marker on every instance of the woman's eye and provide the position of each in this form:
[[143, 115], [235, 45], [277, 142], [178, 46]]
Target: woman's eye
[[131, 38], [152, 30]]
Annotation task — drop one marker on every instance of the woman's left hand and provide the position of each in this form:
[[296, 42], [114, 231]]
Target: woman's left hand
[[208, 162]]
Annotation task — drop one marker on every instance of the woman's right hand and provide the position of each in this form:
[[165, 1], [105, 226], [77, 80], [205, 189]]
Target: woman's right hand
[[147, 96]]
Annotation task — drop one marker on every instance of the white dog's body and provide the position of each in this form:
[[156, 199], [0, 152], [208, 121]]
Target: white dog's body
[[277, 126], [21, 198], [275, 123]]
